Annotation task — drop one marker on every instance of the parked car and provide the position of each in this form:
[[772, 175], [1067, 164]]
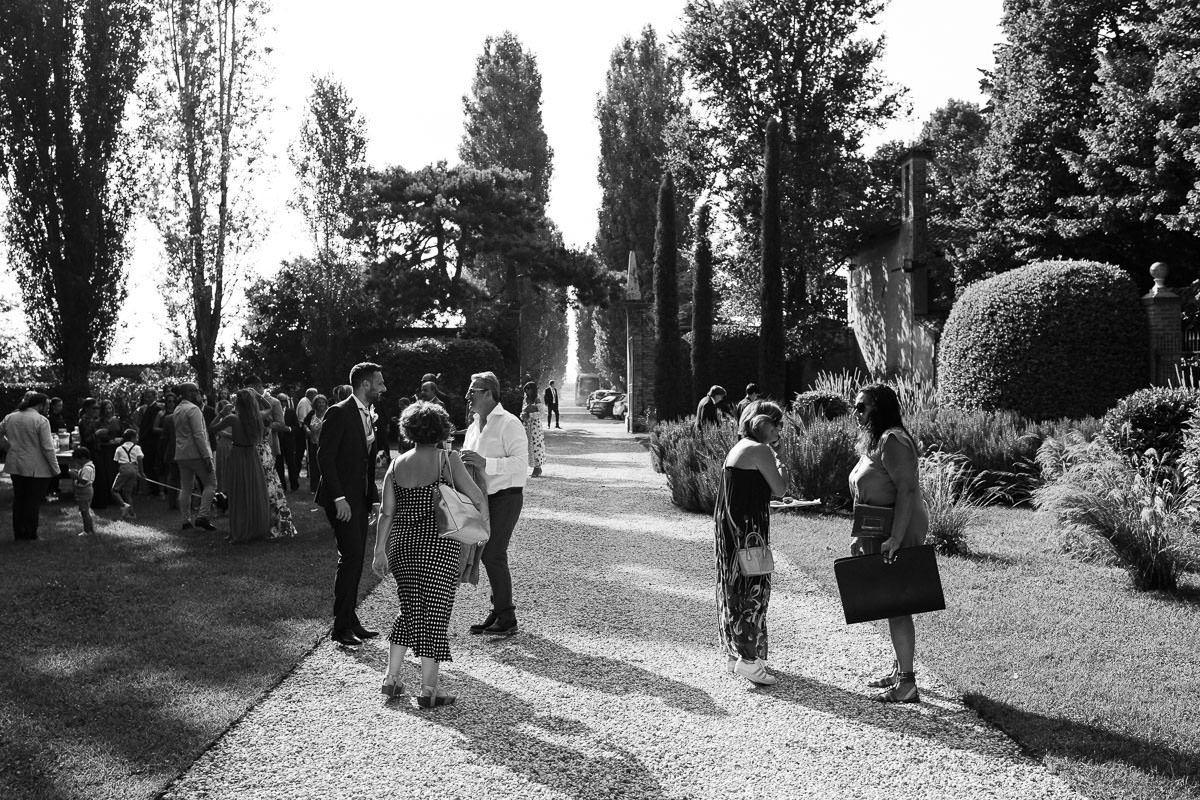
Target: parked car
[[603, 406], [620, 407]]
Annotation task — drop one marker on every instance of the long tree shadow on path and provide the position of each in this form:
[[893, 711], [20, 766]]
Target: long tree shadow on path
[[548, 659], [500, 728]]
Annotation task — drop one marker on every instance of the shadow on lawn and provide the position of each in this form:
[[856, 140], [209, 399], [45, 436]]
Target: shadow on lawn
[[1043, 735]]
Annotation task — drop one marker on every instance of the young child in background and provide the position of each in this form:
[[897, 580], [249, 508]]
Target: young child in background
[[129, 471], [83, 471]]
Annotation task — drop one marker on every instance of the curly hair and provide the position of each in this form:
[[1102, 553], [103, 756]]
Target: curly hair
[[425, 423]]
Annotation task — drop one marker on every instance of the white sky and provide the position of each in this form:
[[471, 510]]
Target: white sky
[[407, 65]]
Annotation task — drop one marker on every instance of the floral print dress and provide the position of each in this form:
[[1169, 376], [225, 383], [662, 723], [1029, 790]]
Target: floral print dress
[[743, 506], [281, 513], [531, 415]]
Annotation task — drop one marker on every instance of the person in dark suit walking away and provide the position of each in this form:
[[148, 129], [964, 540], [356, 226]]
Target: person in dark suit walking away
[[550, 397], [347, 491]]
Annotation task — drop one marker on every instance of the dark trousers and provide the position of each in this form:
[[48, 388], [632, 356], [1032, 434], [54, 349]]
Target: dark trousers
[[505, 509], [352, 545], [287, 460], [299, 446], [314, 468], [28, 494], [552, 410]]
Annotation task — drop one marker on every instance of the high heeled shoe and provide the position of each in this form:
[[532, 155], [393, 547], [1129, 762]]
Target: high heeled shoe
[[432, 698], [392, 687], [903, 691]]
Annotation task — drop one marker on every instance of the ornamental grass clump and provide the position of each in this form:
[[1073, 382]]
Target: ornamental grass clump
[[692, 459], [819, 456], [1142, 508], [954, 496]]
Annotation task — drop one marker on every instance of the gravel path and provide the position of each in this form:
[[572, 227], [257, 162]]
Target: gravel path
[[615, 687]]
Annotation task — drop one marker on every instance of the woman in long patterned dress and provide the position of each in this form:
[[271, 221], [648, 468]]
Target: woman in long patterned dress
[[281, 512], [531, 415], [249, 514], [751, 476], [424, 564]]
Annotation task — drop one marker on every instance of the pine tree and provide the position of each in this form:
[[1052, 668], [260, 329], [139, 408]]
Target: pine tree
[[702, 303], [667, 380], [772, 367]]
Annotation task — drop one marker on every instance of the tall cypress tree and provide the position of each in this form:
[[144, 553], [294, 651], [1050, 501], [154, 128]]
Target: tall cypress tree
[[702, 304], [667, 378], [771, 360]]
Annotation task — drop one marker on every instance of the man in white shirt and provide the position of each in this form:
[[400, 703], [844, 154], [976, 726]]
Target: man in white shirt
[[495, 445]]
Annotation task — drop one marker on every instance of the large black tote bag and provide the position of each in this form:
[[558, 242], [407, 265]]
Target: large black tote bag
[[873, 589]]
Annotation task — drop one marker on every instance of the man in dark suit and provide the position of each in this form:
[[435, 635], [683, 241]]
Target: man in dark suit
[[347, 492], [550, 397]]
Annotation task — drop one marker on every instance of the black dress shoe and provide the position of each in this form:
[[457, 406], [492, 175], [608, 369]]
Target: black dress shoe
[[482, 626], [502, 627], [202, 522], [346, 638], [363, 633]]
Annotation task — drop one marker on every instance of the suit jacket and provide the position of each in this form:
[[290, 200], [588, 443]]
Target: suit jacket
[[347, 463], [550, 397], [191, 434], [276, 417], [31, 450]]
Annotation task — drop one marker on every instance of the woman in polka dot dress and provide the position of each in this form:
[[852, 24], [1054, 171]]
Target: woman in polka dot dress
[[406, 542]]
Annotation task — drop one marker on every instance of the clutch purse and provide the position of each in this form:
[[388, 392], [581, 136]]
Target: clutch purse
[[872, 521], [755, 559], [873, 589]]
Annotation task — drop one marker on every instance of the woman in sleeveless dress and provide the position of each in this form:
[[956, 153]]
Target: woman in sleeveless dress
[[277, 504], [249, 515], [751, 476], [887, 475], [424, 564]]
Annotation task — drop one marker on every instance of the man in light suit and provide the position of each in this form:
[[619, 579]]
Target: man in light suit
[[550, 397], [32, 460], [194, 456]]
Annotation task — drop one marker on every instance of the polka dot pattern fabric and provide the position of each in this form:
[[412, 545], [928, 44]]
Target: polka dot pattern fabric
[[425, 567]]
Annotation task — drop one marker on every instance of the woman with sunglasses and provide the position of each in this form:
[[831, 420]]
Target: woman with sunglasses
[[887, 475]]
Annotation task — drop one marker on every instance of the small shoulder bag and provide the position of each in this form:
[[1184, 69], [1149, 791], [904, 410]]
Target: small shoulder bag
[[457, 517], [754, 557]]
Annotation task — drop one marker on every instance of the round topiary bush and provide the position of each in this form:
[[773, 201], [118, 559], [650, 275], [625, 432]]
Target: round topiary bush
[[1051, 339], [819, 403], [1151, 418]]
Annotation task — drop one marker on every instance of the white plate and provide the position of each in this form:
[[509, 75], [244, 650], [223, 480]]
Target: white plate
[[795, 504]]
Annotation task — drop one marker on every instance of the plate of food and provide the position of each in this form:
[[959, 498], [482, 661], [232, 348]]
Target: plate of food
[[787, 501]]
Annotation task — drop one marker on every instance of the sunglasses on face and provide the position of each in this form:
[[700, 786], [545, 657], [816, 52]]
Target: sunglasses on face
[[476, 391], [860, 408]]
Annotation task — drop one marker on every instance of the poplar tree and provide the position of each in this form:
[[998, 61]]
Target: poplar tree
[[668, 386], [702, 303], [67, 68], [772, 366]]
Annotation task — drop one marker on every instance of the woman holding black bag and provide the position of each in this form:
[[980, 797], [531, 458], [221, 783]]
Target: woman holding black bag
[[752, 474], [887, 475]]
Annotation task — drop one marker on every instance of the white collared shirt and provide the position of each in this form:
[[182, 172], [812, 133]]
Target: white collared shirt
[[503, 443]]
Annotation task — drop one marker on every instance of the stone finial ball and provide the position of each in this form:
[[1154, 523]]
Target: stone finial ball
[[1159, 270]]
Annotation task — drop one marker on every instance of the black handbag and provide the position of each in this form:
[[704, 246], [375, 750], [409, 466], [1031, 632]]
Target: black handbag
[[872, 521], [873, 589]]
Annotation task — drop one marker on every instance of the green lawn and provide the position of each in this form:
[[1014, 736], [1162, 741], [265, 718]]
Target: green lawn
[[124, 655], [1099, 681]]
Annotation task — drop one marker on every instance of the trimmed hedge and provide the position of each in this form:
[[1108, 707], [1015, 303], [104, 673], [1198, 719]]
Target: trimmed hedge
[[1051, 339], [1151, 418], [820, 403]]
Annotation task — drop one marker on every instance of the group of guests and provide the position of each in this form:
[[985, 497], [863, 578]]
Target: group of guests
[[886, 475], [714, 405]]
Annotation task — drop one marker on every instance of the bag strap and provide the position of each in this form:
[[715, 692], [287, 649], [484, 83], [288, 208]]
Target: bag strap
[[446, 466]]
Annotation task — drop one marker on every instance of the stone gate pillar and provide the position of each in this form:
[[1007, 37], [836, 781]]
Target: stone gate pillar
[[639, 352], [1165, 310]]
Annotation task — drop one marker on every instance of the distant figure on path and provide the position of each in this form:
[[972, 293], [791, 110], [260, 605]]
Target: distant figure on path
[[531, 418], [496, 445], [752, 474], [887, 475], [424, 564], [708, 412], [347, 492], [550, 397], [32, 461]]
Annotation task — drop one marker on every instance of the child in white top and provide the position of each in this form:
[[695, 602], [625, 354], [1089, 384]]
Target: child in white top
[[83, 472], [129, 471]]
